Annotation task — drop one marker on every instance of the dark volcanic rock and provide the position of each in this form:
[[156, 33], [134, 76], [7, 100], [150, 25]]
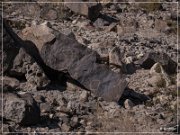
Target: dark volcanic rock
[[9, 52], [90, 10], [15, 60], [82, 64], [21, 110], [151, 58], [20, 63]]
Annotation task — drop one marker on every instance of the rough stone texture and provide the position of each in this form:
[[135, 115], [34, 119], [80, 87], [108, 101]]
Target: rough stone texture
[[23, 111], [100, 23], [115, 57], [40, 34], [91, 10], [10, 84], [157, 81], [82, 65], [20, 63], [159, 77], [49, 14], [35, 77], [138, 34], [9, 51], [128, 104], [151, 58]]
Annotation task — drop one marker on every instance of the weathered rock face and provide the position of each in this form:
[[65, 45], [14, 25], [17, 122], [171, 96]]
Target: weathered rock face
[[115, 57], [15, 59], [9, 84], [21, 110], [99, 78], [81, 62], [40, 34], [90, 10], [159, 77], [151, 58], [49, 14], [160, 25], [20, 63]]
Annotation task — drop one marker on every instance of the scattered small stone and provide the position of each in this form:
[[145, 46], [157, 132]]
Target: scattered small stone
[[65, 127], [111, 27], [50, 14], [100, 23], [120, 30], [128, 104], [45, 107], [84, 96]]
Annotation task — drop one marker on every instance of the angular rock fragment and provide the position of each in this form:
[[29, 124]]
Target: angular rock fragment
[[35, 77], [22, 109], [128, 104], [100, 23], [49, 14], [40, 34], [9, 84], [156, 81], [90, 10], [115, 57], [159, 77], [20, 63], [149, 59], [111, 27]]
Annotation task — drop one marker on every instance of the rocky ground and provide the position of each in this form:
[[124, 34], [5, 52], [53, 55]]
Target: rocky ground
[[124, 53]]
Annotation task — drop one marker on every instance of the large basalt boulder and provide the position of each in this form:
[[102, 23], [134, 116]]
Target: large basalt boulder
[[82, 64], [63, 52], [90, 10]]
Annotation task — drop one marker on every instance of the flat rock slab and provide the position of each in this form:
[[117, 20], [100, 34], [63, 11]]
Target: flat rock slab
[[81, 63]]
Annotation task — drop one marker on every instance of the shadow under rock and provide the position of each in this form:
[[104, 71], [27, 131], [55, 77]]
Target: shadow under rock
[[107, 18], [53, 86], [135, 97]]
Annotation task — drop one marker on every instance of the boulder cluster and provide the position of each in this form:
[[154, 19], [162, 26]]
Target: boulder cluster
[[124, 54]]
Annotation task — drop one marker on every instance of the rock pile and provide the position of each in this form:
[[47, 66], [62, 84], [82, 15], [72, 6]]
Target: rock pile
[[123, 54]]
